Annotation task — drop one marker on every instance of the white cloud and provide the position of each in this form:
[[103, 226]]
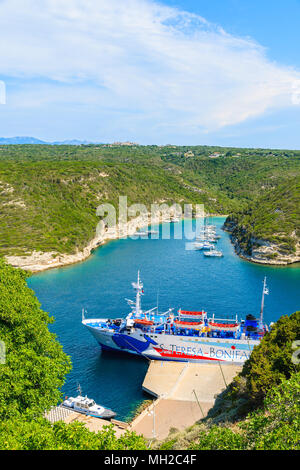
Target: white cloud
[[168, 65]]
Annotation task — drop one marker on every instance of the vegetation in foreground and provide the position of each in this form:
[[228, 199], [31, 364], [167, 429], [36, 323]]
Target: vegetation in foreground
[[32, 375], [36, 365]]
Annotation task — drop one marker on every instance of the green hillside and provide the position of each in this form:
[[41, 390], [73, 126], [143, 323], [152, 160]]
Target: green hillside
[[52, 205], [275, 218], [49, 194]]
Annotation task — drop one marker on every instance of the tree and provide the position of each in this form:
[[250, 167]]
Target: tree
[[32, 375], [35, 366], [271, 361]]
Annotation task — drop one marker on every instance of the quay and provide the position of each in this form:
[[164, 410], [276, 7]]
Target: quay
[[59, 413], [183, 393]]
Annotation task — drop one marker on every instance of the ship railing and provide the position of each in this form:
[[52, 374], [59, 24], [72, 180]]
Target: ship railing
[[215, 319]]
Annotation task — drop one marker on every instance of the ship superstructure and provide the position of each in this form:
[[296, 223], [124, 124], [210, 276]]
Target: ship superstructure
[[183, 336]]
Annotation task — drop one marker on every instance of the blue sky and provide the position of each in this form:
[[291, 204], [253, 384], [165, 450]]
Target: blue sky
[[274, 24], [218, 72]]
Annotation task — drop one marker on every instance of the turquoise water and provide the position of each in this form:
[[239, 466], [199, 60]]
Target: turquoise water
[[176, 277]]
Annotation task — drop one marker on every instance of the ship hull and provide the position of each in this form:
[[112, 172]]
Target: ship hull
[[174, 347]]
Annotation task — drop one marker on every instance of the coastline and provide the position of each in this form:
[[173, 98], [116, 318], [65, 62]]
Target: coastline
[[263, 253], [41, 261], [266, 262]]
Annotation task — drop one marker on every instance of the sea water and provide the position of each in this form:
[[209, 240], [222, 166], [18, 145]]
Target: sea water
[[173, 276]]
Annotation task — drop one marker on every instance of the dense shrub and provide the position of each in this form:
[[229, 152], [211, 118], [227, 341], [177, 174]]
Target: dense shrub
[[271, 361], [32, 375]]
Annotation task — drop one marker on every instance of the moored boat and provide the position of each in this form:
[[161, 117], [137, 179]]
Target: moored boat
[[141, 233], [88, 407], [203, 246], [146, 233], [214, 253], [190, 336]]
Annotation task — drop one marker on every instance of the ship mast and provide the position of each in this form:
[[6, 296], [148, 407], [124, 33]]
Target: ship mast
[[265, 292], [138, 286]]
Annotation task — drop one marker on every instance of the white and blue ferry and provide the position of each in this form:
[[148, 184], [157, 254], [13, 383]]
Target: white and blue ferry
[[188, 336]]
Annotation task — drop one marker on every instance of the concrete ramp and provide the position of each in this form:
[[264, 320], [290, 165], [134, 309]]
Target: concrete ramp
[[203, 382], [162, 377], [180, 380], [185, 393]]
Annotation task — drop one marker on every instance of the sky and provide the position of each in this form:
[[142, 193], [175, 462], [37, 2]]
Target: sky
[[185, 72]]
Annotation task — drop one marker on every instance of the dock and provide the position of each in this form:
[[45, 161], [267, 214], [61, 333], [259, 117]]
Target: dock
[[59, 413], [183, 394]]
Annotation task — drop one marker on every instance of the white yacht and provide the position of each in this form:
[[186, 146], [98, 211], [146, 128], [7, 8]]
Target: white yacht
[[141, 233], [214, 253], [203, 246], [88, 407], [146, 233]]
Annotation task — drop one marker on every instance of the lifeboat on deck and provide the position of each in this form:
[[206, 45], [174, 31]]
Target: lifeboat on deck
[[143, 321], [189, 314], [188, 324], [223, 326]]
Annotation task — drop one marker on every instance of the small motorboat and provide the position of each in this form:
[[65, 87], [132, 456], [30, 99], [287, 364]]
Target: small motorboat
[[146, 233], [207, 239], [203, 246], [214, 253], [142, 233], [88, 407]]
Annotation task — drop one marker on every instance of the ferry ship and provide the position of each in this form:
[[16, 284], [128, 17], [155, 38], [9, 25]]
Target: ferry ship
[[188, 336]]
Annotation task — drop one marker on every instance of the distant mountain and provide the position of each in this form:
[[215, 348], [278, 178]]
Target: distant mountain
[[20, 141], [34, 141]]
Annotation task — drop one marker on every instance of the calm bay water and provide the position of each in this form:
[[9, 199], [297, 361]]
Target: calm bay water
[[172, 275]]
